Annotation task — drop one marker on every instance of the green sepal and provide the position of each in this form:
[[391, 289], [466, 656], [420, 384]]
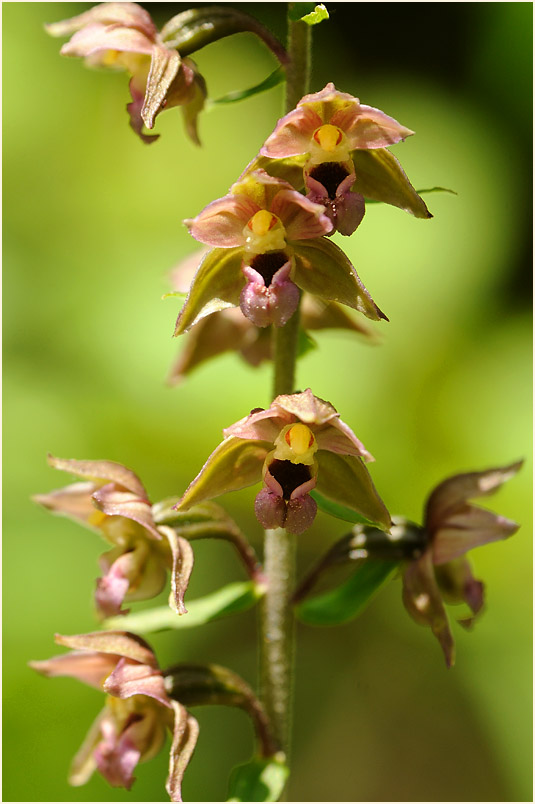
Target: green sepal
[[216, 286], [234, 464], [310, 13], [273, 80], [290, 169], [197, 27], [380, 177], [231, 599], [321, 268], [348, 600], [421, 192], [260, 779], [346, 481], [337, 510]]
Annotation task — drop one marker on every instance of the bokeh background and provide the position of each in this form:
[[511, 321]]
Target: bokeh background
[[92, 225]]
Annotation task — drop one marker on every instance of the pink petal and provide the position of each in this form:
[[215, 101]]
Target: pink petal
[[261, 425], [90, 667], [118, 643], [338, 437], [130, 679], [301, 218], [270, 509], [124, 503], [300, 514], [116, 758], [221, 223], [292, 133], [112, 588], [126, 14], [97, 37], [468, 528], [274, 304], [366, 127], [73, 501]]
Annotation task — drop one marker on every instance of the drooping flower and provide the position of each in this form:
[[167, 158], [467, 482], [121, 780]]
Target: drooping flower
[[229, 330], [138, 712], [113, 501], [453, 526], [122, 36], [341, 146], [299, 443], [268, 242]]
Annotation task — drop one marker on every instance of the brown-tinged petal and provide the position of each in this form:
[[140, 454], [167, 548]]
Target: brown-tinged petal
[[216, 286], [367, 127], [338, 437], [116, 755], [302, 219], [73, 501], [185, 733], [101, 472], [234, 464], [422, 600], [128, 14], [345, 480], [183, 559], [261, 425], [134, 110], [221, 223], [118, 643], [98, 38], [130, 679], [91, 667], [467, 528], [454, 492], [305, 406], [292, 133], [163, 69], [124, 503], [84, 764], [321, 268], [380, 177]]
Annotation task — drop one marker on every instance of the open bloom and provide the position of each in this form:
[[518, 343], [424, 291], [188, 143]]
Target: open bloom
[[229, 330], [138, 712], [340, 144], [113, 501], [122, 36], [268, 242], [299, 443], [452, 526]]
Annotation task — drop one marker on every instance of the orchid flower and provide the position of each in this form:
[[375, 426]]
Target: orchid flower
[[340, 144], [138, 712], [112, 500], [299, 443], [268, 242], [122, 36]]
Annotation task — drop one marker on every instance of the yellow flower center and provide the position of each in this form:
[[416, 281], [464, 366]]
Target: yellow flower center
[[264, 232], [328, 137], [296, 443]]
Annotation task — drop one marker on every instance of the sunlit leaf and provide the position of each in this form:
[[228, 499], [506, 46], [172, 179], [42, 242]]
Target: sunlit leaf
[[231, 599], [348, 600], [258, 780], [311, 13]]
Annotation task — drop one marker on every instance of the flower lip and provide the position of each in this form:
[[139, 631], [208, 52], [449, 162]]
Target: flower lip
[[290, 476], [330, 175], [268, 264]]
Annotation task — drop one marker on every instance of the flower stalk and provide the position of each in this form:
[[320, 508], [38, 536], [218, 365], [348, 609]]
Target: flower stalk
[[277, 625]]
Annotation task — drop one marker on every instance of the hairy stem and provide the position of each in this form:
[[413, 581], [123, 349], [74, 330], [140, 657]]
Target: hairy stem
[[277, 622]]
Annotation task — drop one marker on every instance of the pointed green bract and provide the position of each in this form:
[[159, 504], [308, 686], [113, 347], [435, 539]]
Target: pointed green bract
[[258, 780], [345, 480], [349, 599], [216, 285], [321, 268], [273, 80], [311, 13], [381, 178], [230, 599]]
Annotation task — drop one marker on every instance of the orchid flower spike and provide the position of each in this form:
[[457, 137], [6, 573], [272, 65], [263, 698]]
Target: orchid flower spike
[[340, 145], [268, 243], [299, 443], [138, 712], [112, 500], [122, 36], [452, 526]]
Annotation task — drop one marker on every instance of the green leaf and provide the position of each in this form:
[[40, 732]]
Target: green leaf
[[231, 599], [348, 600], [437, 190], [310, 13], [258, 780], [305, 343], [274, 79], [339, 511]]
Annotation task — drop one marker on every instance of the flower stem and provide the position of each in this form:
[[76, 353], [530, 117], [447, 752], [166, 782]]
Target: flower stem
[[277, 621]]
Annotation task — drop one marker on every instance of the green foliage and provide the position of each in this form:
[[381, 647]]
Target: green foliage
[[310, 13], [348, 600], [337, 510], [273, 80], [258, 780]]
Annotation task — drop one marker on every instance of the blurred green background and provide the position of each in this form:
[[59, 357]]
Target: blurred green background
[[92, 225]]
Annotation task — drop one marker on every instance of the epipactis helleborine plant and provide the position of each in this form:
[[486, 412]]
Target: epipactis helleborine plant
[[299, 443]]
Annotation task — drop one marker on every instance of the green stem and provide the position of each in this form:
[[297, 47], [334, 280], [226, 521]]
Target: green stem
[[277, 621]]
